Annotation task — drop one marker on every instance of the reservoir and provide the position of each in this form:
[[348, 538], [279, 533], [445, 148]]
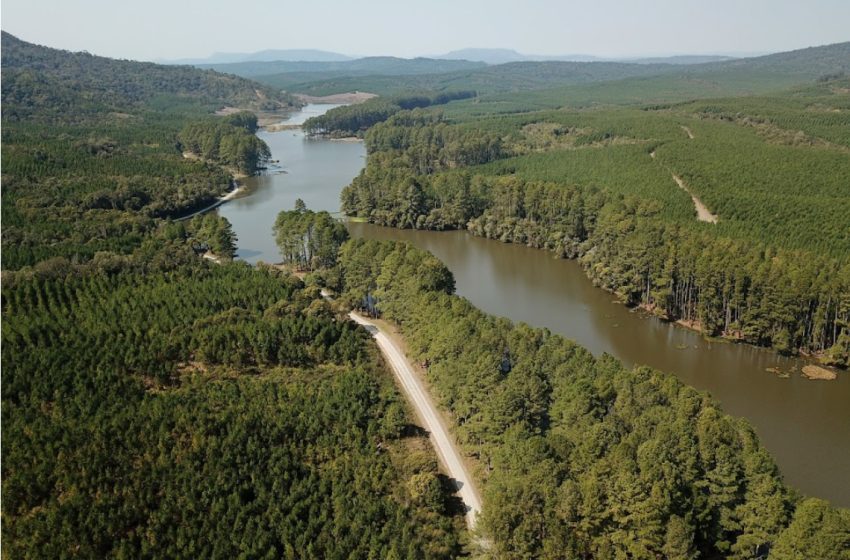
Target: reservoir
[[804, 424]]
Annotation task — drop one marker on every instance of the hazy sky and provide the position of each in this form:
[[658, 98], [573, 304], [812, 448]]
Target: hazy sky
[[153, 29]]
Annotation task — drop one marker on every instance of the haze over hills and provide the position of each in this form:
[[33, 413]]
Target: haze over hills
[[502, 56], [384, 65], [728, 77], [481, 55], [292, 55]]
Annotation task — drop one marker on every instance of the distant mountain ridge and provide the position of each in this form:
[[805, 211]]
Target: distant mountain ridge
[[471, 55], [383, 65], [504, 56], [268, 55], [702, 79]]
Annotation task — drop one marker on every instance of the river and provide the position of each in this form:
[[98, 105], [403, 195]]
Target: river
[[805, 424]]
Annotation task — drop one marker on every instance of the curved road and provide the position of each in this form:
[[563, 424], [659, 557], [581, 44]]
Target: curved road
[[416, 394]]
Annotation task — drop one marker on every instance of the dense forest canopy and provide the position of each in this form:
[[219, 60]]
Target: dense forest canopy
[[93, 148], [157, 405], [602, 185], [154, 408], [582, 457]]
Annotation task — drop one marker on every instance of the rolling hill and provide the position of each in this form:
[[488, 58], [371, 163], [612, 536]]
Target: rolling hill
[[49, 82], [374, 65], [527, 85], [581, 81]]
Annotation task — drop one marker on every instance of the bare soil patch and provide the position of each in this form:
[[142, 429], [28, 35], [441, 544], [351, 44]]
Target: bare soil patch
[[350, 98], [224, 111], [817, 372], [703, 213]]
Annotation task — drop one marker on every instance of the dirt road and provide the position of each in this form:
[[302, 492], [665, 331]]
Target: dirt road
[[418, 396], [703, 213]]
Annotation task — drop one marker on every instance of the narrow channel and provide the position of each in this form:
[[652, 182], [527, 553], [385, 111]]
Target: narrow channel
[[804, 424]]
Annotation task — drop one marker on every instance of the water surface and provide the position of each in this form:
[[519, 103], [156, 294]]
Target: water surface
[[804, 424], [312, 170]]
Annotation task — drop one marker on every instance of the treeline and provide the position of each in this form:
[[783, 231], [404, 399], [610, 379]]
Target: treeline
[[789, 300], [354, 120], [229, 141], [308, 240], [582, 457], [430, 144], [204, 233], [765, 165], [641, 243], [156, 405]]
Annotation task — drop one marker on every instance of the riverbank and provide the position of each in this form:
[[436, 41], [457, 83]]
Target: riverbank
[[803, 423], [236, 191], [737, 337]]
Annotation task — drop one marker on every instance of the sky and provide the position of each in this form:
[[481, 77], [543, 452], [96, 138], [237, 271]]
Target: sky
[[171, 29]]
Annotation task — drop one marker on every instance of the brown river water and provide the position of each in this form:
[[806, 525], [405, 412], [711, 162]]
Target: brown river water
[[805, 424]]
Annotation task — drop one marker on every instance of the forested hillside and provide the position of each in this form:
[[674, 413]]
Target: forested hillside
[[513, 76], [565, 79], [157, 405], [39, 82], [93, 148], [580, 456], [602, 186]]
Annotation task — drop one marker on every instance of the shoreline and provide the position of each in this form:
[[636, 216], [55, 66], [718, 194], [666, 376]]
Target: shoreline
[[228, 196], [690, 326], [694, 326]]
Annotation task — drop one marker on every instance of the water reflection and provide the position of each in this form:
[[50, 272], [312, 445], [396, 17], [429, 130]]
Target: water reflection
[[313, 170]]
